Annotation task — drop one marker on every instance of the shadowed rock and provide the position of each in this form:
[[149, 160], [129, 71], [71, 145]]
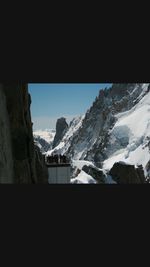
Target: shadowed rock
[[18, 158], [98, 175], [6, 160], [41, 168], [148, 170], [127, 174]]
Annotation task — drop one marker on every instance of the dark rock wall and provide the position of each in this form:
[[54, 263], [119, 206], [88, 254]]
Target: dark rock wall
[[6, 159], [127, 174], [41, 168], [17, 102]]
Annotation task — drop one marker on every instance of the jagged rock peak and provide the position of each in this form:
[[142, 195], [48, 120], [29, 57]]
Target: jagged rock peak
[[61, 127]]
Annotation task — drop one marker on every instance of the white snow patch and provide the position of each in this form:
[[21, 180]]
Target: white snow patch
[[83, 178], [135, 124]]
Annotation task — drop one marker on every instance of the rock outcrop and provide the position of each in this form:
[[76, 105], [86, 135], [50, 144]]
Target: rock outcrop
[[127, 174], [61, 127], [19, 148], [97, 174]]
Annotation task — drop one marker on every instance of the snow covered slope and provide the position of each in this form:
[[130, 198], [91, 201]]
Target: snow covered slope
[[92, 136], [132, 126]]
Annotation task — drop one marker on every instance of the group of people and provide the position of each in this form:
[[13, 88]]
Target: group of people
[[57, 159]]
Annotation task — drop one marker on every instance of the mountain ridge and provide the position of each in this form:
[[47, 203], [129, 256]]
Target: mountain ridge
[[93, 139]]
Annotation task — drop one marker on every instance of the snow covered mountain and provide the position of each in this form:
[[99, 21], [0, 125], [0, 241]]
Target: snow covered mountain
[[132, 128], [116, 128], [44, 139], [93, 136]]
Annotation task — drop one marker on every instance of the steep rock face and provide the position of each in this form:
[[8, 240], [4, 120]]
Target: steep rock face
[[127, 174], [115, 128], [17, 110], [18, 106], [41, 168], [61, 127], [6, 158], [70, 133], [93, 136]]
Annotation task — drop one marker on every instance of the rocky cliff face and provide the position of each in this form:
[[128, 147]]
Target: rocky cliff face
[[41, 169], [6, 159], [92, 140], [61, 127], [19, 145], [69, 134]]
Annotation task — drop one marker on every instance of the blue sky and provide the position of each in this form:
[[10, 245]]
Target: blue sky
[[51, 101]]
